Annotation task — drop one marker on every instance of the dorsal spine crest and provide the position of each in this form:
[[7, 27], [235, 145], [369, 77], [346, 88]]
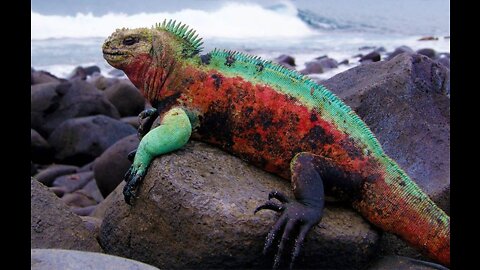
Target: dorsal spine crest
[[190, 41]]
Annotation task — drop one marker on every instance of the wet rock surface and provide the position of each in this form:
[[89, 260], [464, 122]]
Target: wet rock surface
[[427, 52], [399, 50], [131, 120], [80, 140], [49, 174], [41, 76], [319, 65], [41, 151], [79, 73], [72, 182], [82, 73], [53, 225], [78, 199], [126, 98], [403, 263], [101, 82], [91, 190], [286, 61], [111, 166], [54, 103], [58, 259], [370, 57], [33, 169], [84, 211], [195, 210]]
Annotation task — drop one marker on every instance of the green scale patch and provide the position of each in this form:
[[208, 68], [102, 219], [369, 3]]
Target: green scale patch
[[292, 83]]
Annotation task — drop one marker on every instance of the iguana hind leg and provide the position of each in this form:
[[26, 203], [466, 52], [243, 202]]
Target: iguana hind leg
[[299, 215]]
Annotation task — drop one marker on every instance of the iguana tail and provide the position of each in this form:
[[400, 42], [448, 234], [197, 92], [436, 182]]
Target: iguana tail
[[393, 202]]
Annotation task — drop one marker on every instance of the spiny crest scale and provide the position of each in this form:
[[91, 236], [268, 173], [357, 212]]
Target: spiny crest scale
[[191, 42]]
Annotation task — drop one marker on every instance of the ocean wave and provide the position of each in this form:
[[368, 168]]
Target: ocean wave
[[232, 20]]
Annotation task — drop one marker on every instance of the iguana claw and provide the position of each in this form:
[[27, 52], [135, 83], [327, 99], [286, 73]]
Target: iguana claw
[[145, 119], [133, 178], [294, 223], [131, 155]]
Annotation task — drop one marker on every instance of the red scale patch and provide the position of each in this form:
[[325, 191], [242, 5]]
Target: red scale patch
[[265, 126]]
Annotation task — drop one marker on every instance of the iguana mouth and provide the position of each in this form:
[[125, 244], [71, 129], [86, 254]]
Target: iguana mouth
[[113, 52]]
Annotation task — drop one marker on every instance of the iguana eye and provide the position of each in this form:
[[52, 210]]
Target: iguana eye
[[130, 41]]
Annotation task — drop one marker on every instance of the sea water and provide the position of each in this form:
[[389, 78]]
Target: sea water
[[67, 33]]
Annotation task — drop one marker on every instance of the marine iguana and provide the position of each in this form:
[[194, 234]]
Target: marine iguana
[[278, 120]]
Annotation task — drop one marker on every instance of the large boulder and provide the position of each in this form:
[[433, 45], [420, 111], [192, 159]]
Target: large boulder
[[444, 59], [126, 98], [286, 61], [58, 259], [319, 65], [78, 199], [371, 57], [78, 73], [101, 82], [399, 50], [404, 102], [403, 263], [33, 169], [41, 152], [82, 73], [53, 103], [131, 120], [40, 76], [195, 210], [91, 190], [429, 52], [111, 166], [53, 225], [81, 140], [49, 174], [72, 182], [84, 211]]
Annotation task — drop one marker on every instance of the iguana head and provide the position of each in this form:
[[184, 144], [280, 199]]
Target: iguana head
[[124, 45], [149, 55]]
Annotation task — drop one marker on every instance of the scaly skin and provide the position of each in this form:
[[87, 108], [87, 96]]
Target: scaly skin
[[279, 121]]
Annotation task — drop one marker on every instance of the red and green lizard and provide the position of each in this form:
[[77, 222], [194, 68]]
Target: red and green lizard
[[278, 120]]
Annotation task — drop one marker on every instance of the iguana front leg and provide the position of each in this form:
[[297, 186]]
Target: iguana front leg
[[298, 215], [174, 131]]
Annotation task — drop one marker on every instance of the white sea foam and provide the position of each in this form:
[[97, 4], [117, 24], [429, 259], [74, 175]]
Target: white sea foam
[[232, 20], [60, 43]]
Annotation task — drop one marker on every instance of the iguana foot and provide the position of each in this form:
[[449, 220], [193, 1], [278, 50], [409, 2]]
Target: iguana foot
[[295, 222], [146, 118], [133, 177]]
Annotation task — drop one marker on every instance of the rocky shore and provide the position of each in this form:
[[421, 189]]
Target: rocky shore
[[195, 207]]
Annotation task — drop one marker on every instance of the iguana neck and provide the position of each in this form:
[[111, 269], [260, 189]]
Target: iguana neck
[[155, 79]]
